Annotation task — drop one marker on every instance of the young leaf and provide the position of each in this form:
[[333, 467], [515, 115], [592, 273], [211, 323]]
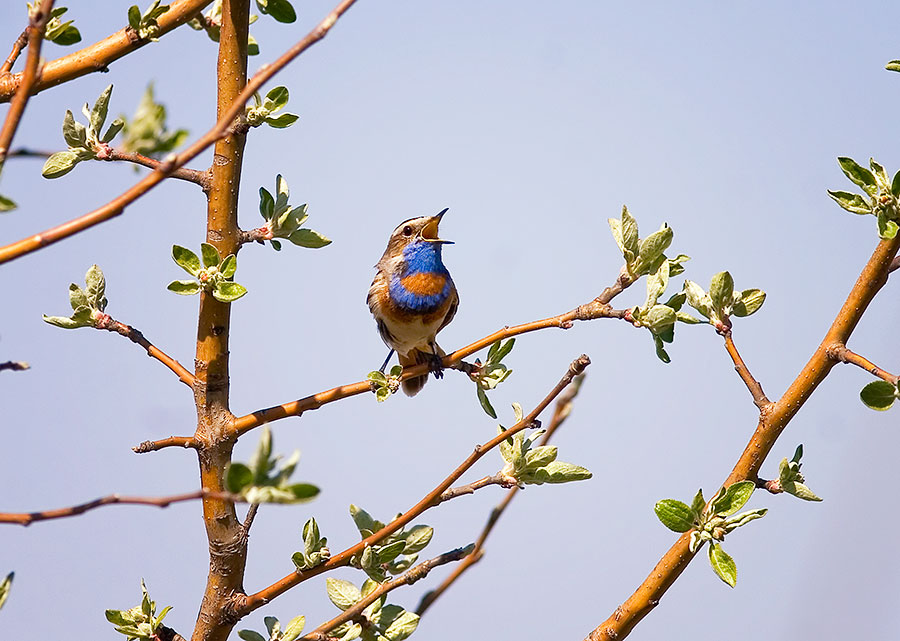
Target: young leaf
[[59, 164], [184, 287], [485, 403], [751, 301], [228, 292], [342, 593], [675, 515], [210, 254], [733, 498], [879, 395], [186, 259], [858, 174], [309, 238], [721, 290], [722, 564]]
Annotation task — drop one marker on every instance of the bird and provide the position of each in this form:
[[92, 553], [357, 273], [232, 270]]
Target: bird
[[413, 297]]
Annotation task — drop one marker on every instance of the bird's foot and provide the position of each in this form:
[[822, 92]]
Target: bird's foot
[[436, 365]]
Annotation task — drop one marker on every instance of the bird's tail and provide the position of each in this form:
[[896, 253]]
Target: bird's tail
[[411, 386]]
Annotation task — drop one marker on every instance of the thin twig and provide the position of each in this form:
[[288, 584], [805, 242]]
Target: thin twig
[[895, 264], [18, 45], [195, 176], [248, 519], [560, 414], [172, 441], [756, 391], [244, 604], [24, 152], [770, 426], [598, 308], [15, 366], [30, 76], [220, 130], [415, 573], [499, 478], [27, 518], [98, 56], [841, 353], [135, 336]]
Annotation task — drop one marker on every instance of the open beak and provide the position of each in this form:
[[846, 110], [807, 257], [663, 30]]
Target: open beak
[[430, 231]]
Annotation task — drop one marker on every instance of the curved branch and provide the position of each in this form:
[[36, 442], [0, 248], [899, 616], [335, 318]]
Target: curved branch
[[598, 308], [98, 56], [18, 45], [771, 424], [27, 518], [244, 604], [756, 391], [409, 577], [30, 76], [221, 129], [195, 176], [839, 352]]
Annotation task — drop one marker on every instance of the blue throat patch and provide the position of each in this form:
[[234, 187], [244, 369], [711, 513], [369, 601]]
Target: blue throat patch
[[421, 257]]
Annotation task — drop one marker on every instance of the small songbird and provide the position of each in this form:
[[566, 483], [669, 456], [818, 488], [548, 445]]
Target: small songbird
[[413, 297]]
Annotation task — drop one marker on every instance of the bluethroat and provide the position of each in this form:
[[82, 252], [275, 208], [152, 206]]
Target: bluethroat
[[413, 297]]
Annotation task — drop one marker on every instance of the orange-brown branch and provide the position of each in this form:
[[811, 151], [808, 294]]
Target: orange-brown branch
[[770, 426], [245, 605], [842, 354], [222, 128], [98, 56], [172, 441], [756, 390]]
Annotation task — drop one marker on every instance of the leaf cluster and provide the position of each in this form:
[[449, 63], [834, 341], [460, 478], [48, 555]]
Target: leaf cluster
[[527, 464], [392, 555], [292, 630], [263, 481], [881, 195], [139, 622], [262, 111], [791, 480], [643, 257], [712, 522], [315, 547], [58, 32], [145, 24], [284, 220], [88, 304], [211, 23], [722, 301], [383, 385], [380, 622], [85, 142], [489, 375], [146, 132], [880, 395], [212, 275]]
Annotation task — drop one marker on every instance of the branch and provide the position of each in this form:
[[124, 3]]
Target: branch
[[409, 577], [499, 478], [771, 425], [895, 264], [172, 441], [24, 152], [108, 323], [98, 56], [840, 353], [38, 24], [195, 176], [563, 409], [244, 604], [598, 308], [15, 366], [756, 391], [27, 518], [18, 45], [221, 129]]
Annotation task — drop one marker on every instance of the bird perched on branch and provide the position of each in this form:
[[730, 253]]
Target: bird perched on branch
[[413, 297]]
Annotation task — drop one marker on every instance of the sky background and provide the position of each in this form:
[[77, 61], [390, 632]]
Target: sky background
[[533, 122]]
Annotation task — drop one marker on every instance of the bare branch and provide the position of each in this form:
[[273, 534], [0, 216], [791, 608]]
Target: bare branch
[[195, 176], [839, 352], [18, 45], [756, 390], [172, 441]]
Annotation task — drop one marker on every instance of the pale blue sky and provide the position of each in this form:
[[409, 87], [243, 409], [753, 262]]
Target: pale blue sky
[[533, 122]]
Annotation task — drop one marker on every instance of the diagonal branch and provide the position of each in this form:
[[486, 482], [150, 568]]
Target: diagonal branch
[[18, 45], [30, 76], [771, 424], [560, 414], [27, 518], [98, 56], [195, 176], [839, 352], [220, 130], [244, 604], [409, 577], [597, 308], [756, 391]]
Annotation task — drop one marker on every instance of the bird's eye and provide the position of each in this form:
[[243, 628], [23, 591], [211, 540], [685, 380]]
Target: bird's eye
[[407, 231]]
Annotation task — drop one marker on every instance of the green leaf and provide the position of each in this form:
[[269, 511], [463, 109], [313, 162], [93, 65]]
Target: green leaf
[[854, 203], [184, 287], [629, 234], [74, 133], [499, 350], [7, 204], [879, 395], [77, 297], [661, 352], [895, 185], [114, 128], [59, 164], [98, 113], [800, 490], [251, 635], [858, 175], [402, 627], [887, 228], [751, 301], [238, 477], [96, 288], [660, 318], [276, 98], [294, 628], [229, 266], [364, 521], [698, 504], [227, 291], [342, 593], [540, 456], [698, 298], [211, 256], [721, 290], [65, 35], [485, 403], [388, 553], [556, 472], [186, 259], [309, 238], [303, 492], [134, 17], [733, 498], [283, 121], [722, 564], [266, 203], [893, 65], [281, 10], [418, 538], [654, 245], [878, 171], [675, 515]]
